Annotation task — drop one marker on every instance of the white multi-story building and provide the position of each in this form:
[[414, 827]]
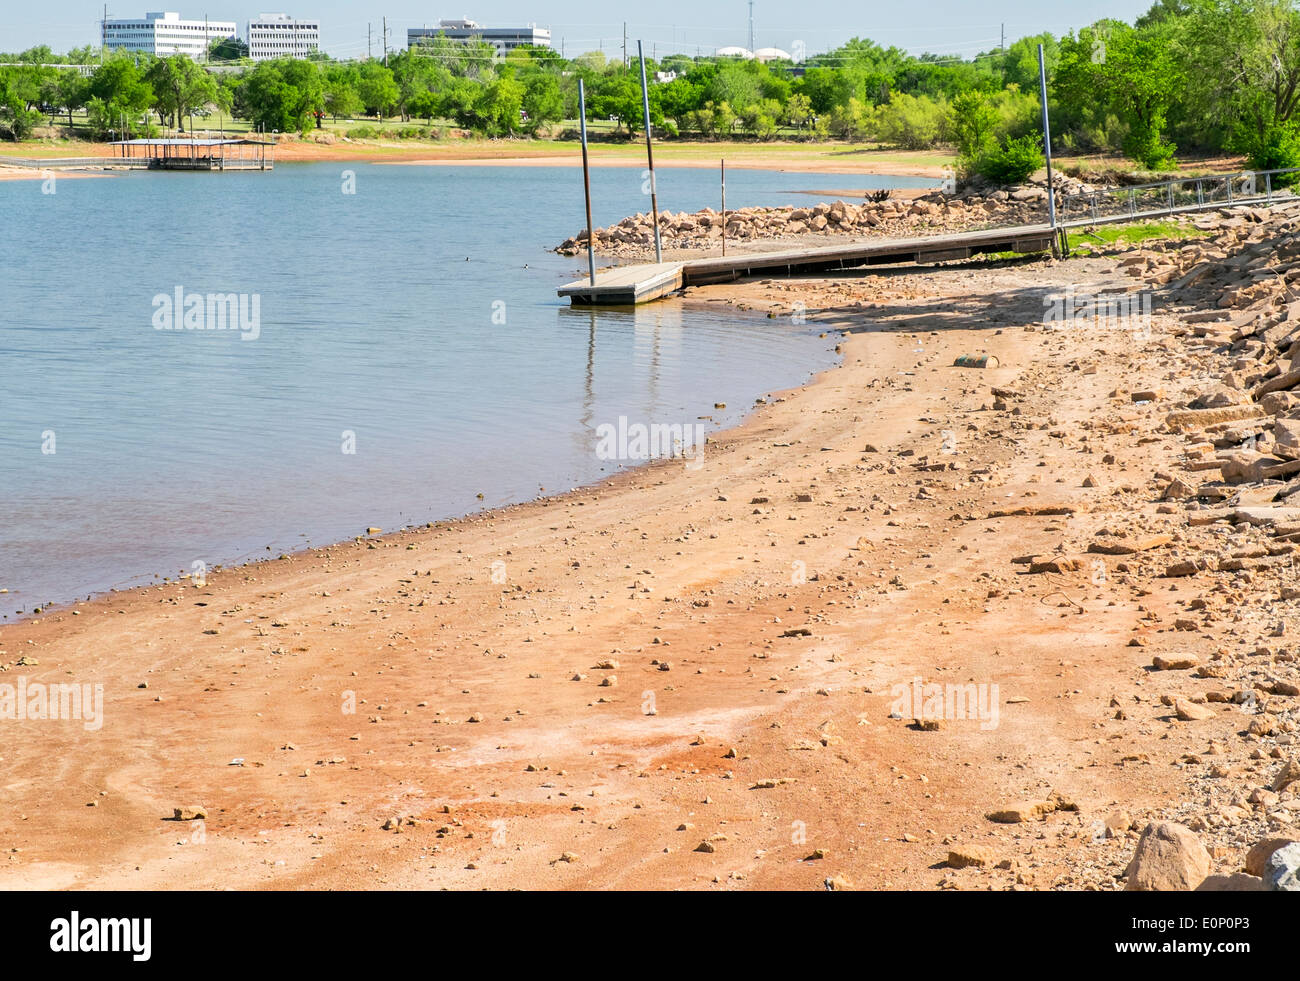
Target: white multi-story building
[[502, 38], [164, 33], [282, 36]]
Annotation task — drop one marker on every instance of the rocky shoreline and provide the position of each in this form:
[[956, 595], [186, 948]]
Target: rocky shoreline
[[896, 216]]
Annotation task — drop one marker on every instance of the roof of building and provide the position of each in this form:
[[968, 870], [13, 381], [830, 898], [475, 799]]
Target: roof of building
[[190, 142]]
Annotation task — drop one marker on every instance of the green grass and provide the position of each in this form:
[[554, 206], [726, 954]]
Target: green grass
[[1105, 238]]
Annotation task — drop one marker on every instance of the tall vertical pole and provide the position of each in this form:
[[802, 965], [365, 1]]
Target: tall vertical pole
[[650, 154], [1047, 144], [385, 42], [367, 41], [586, 181], [724, 206], [624, 44], [751, 26]]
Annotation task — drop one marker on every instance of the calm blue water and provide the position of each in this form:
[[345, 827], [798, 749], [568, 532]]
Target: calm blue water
[[172, 447]]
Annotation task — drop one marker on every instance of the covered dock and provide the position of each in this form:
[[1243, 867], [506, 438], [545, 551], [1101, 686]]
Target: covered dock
[[181, 154]]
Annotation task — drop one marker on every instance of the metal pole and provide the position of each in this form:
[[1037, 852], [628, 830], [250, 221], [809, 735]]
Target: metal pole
[[650, 155], [1047, 141], [724, 206], [586, 180]]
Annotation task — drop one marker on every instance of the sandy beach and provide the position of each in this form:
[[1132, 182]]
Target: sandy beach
[[684, 677]]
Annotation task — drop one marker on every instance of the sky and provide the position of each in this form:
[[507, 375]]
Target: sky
[[958, 27]]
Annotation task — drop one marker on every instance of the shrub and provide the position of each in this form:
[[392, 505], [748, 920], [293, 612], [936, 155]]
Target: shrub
[[1145, 145], [1011, 162], [362, 133], [913, 122], [1278, 148]]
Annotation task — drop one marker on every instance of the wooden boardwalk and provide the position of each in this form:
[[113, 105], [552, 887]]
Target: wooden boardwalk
[[634, 284]]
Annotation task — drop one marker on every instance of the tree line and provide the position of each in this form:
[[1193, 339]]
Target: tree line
[[1188, 75]]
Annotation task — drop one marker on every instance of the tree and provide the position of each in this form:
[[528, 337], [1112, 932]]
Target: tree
[[282, 95], [17, 93], [117, 96], [543, 102], [341, 99], [619, 97], [973, 120], [227, 49], [415, 75], [377, 89], [1243, 66], [1113, 67], [71, 91], [914, 122], [179, 87], [498, 106]]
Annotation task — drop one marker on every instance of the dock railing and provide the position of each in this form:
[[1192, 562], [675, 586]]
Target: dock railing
[[1139, 201]]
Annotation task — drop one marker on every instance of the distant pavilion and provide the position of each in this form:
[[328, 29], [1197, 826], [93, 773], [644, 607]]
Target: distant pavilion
[[223, 154]]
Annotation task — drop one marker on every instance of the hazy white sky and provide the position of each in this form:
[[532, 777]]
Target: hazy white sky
[[946, 26]]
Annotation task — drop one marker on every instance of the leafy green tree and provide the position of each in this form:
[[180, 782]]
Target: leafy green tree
[[179, 87], [340, 84], [71, 91], [973, 120], [499, 106], [543, 101], [283, 95], [855, 122], [18, 93], [759, 119], [227, 49], [913, 122], [377, 89], [1243, 67], [1114, 67], [619, 97], [118, 95]]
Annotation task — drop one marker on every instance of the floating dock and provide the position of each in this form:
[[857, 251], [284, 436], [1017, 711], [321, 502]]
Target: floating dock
[[631, 285], [222, 154]]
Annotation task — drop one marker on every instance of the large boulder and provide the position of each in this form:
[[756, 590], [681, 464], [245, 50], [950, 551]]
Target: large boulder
[[1169, 858], [1284, 869]]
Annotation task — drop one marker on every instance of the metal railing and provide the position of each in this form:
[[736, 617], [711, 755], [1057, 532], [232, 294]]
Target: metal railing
[[63, 163], [1179, 195]]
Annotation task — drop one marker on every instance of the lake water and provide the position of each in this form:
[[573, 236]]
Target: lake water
[[413, 322]]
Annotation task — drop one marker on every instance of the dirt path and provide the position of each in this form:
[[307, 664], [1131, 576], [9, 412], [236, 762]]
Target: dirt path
[[597, 690]]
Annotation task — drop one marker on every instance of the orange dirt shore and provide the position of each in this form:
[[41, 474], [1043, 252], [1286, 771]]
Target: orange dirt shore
[[519, 154], [679, 678]]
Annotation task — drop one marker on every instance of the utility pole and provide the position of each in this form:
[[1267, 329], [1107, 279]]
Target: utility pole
[[385, 42], [103, 34], [1047, 146], [1004, 39], [650, 153], [751, 26], [624, 44], [367, 41]]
